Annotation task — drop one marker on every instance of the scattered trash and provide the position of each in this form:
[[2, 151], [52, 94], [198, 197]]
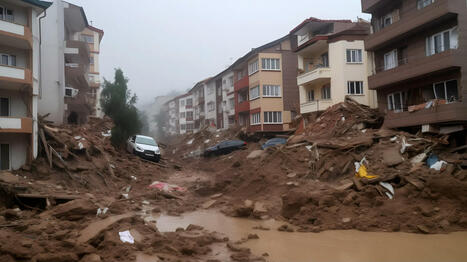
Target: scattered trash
[[389, 188], [102, 211], [77, 137], [166, 187], [190, 141], [207, 141], [107, 133], [418, 158], [393, 139], [80, 145], [145, 202], [126, 237], [438, 165], [309, 148], [112, 166], [434, 163], [126, 196], [361, 171], [405, 145], [134, 178], [127, 189]]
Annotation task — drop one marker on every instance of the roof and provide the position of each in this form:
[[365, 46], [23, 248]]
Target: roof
[[39, 3], [99, 31], [314, 19]]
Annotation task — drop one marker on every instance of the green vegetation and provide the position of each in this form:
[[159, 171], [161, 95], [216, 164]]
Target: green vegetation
[[119, 104]]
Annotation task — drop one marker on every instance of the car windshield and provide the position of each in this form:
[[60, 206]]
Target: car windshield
[[145, 141]]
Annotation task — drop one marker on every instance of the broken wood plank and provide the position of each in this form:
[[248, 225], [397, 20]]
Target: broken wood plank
[[458, 149], [46, 148]]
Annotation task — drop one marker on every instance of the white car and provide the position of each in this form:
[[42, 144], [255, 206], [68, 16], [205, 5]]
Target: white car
[[144, 146]]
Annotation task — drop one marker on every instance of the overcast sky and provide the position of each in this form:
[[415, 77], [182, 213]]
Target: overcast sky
[[172, 44]]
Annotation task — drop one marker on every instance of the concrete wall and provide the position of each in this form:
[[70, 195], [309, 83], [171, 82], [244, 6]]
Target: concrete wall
[[227, 87], [210, 97], [18, 148], [18, 108], [51, 93]]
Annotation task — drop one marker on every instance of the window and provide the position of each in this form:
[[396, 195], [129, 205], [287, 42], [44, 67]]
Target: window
[[273, 117], [253, 67], [395, 102], [7, 14], [325, 60], [424, 3], [239, 75], [4, 156], [254, 92], [182, 115], [311, 95], [91, 60], [271, 91], [182, 102], [442, 41], [210, 90], [271, 64], [231, 81], [386, 20], [189, 116], [390, 60], [326, 92], [354, 55], [355, 87], [446, 90], [219, 91], [189, 102], [9, 60], [211, 107], [88, 39], [182, 127], [255, 118], [232, 103], [4, 106], [190, 127], [242, 97]]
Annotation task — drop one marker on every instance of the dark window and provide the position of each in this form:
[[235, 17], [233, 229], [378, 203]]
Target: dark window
[[4, 106], [4, 157]]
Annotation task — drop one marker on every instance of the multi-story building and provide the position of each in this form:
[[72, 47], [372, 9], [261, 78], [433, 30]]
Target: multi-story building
[[420, 59], [265, 88], [226, 105], [20, 73], [93, 37], [210, 103], [173, 117], [186, 113], [66, 55], [198, 92], [332, 63]]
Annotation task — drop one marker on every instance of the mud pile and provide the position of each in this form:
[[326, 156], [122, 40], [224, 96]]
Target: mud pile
[[312, 181]]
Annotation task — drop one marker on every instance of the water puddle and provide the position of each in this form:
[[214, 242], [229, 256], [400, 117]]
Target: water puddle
[[332, 246]]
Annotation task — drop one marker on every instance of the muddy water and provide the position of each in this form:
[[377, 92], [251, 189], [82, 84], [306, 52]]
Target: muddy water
[[332, 246]]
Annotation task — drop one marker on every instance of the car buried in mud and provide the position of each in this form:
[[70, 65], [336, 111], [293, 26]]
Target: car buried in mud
[[144, 147], [225, 147]]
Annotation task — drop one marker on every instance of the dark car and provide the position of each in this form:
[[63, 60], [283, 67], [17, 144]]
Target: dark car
[[274, 142], [225, 147]]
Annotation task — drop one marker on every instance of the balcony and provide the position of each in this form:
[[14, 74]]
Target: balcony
[[243, 106], [15, 35], [15, 74], [369, 6], [319, 72], [242, 83], [418, 67], [412, 22], [77, 52], [454, 112], [16, 125], [315, 106]]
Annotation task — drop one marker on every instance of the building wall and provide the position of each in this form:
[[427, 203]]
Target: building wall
[[19, 144], [52, 89], [210, 97], [227, 94]]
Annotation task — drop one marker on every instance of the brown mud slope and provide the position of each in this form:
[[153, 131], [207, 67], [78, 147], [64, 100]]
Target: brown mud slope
[[311, 181], [49, 210]]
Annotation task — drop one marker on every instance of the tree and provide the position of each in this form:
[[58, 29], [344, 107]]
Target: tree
[[119, 104]]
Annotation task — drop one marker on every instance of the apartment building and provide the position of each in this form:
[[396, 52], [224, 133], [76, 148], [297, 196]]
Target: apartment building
[[66, 93], [186, 113], [210, 103], [93, 37], [332, 63], [227, 102], [198, 92], [420, 59], [172, 107], [19, 80], [265, 87]]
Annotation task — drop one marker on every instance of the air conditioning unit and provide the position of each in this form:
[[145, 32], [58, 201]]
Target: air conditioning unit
[[71, 92]]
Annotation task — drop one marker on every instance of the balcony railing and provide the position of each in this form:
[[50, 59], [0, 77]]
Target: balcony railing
[[16, 125], [11, 30], [16, 74], [315, 106], [317, 72]]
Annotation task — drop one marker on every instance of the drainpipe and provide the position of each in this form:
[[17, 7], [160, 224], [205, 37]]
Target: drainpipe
[[40, 53]]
